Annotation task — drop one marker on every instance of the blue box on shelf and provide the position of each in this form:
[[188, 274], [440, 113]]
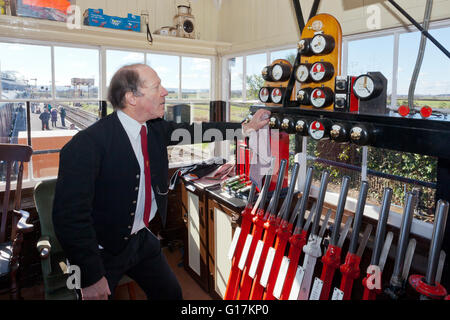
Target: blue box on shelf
[[96, 18]]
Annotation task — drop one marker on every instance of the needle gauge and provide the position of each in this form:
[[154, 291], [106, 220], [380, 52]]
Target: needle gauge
[[317, 130], [277, 95], [321, 71], [302, 74], [264, 94], [367, 87], [321, 97], [281, 72], [322, 44]]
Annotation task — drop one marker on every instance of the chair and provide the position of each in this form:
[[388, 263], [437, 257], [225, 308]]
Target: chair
[[53, 259], [13, 157]]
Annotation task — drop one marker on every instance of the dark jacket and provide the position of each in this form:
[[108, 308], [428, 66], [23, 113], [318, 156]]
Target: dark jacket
[[96, 191], [45, 116]]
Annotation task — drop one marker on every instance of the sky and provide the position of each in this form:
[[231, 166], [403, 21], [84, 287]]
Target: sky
[[375, 54]]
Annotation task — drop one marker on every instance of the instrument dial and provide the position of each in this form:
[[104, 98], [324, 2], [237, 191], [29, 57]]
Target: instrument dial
[[322, 44], [267, 73], [317, 130], [321, 71], [302, 73], [277, 95], [367, 87], [321, 97], [301, 127], [281, 72], [264, 95]]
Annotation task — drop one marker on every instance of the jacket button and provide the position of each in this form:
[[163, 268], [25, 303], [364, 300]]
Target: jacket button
[[134, 201], [137, 176], [132, 214], [136, 189], [129, 227], [125, 238]]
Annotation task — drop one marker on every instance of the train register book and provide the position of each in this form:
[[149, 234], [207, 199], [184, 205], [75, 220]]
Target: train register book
[[207, 174]]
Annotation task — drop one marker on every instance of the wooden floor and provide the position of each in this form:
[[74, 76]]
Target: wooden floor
[[191, 290]]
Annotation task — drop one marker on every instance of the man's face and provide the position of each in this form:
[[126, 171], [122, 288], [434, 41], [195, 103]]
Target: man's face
[[150, 104]]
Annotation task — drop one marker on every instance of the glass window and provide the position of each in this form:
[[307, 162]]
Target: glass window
[[407, 165], [115, 59], [433, 83], [76, 73], [21, 76], [168, 69], [195, 78], [365, 56], [288, 54], [341, 153], [238, 111], [236, 69], [254, 64]]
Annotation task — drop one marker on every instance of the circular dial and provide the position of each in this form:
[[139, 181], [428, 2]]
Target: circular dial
[[317, 25], [276, 95], [322, 44], [360, 135], [267, 73], [188, 26], [317, 130], [367, 87], [321, 71], [280, 72], [264, 94], [302, 73], [321, 97], [304, 47], [274, 122], [303, 96], [287, 124]]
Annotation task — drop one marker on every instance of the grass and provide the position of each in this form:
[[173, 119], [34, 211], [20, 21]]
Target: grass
[[434, 104]]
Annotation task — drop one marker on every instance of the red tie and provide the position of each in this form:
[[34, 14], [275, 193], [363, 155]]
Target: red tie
[[148, 179]]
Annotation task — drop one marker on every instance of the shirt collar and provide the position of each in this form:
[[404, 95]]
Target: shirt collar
[[132, 126]]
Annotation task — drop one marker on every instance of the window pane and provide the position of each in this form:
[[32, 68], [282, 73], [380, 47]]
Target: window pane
[[433, 83], [407, 165], [13, 130], [200, 112], [238, 111], [168, 69], [115, 59], [21, 76], [254, 81], [365, 56], [236, 68], [196, 78], [342, 153], [288, 54], [76, 73]]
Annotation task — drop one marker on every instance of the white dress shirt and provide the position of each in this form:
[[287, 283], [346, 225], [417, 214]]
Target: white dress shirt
[[133, 129]]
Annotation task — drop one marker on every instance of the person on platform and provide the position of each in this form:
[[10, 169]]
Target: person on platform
[[113, 180], [54, 114], [45, 117], [62, 115]]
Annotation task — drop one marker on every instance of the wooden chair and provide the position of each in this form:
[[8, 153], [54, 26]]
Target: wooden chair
[[53, 259], [13, 156]]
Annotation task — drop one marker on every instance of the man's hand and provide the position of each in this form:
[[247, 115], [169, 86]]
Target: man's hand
[[259, 120], [97, 291]]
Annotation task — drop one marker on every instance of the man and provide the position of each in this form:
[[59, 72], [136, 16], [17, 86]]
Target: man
[[62, 114], [45, 117], [113, 179]]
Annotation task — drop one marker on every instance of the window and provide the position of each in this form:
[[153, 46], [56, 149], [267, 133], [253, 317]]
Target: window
[[76, 73], [115, 59], [168, 69], [254, 81], [195, 78], [433, 83], [236, 69], [21, 76]]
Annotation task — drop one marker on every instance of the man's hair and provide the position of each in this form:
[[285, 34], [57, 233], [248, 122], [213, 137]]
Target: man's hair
[[126, 79]]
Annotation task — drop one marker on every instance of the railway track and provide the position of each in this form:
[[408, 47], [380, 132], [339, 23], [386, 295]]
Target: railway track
[[81, 118]]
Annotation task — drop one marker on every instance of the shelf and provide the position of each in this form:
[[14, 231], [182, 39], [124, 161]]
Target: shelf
[[45, 30]]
